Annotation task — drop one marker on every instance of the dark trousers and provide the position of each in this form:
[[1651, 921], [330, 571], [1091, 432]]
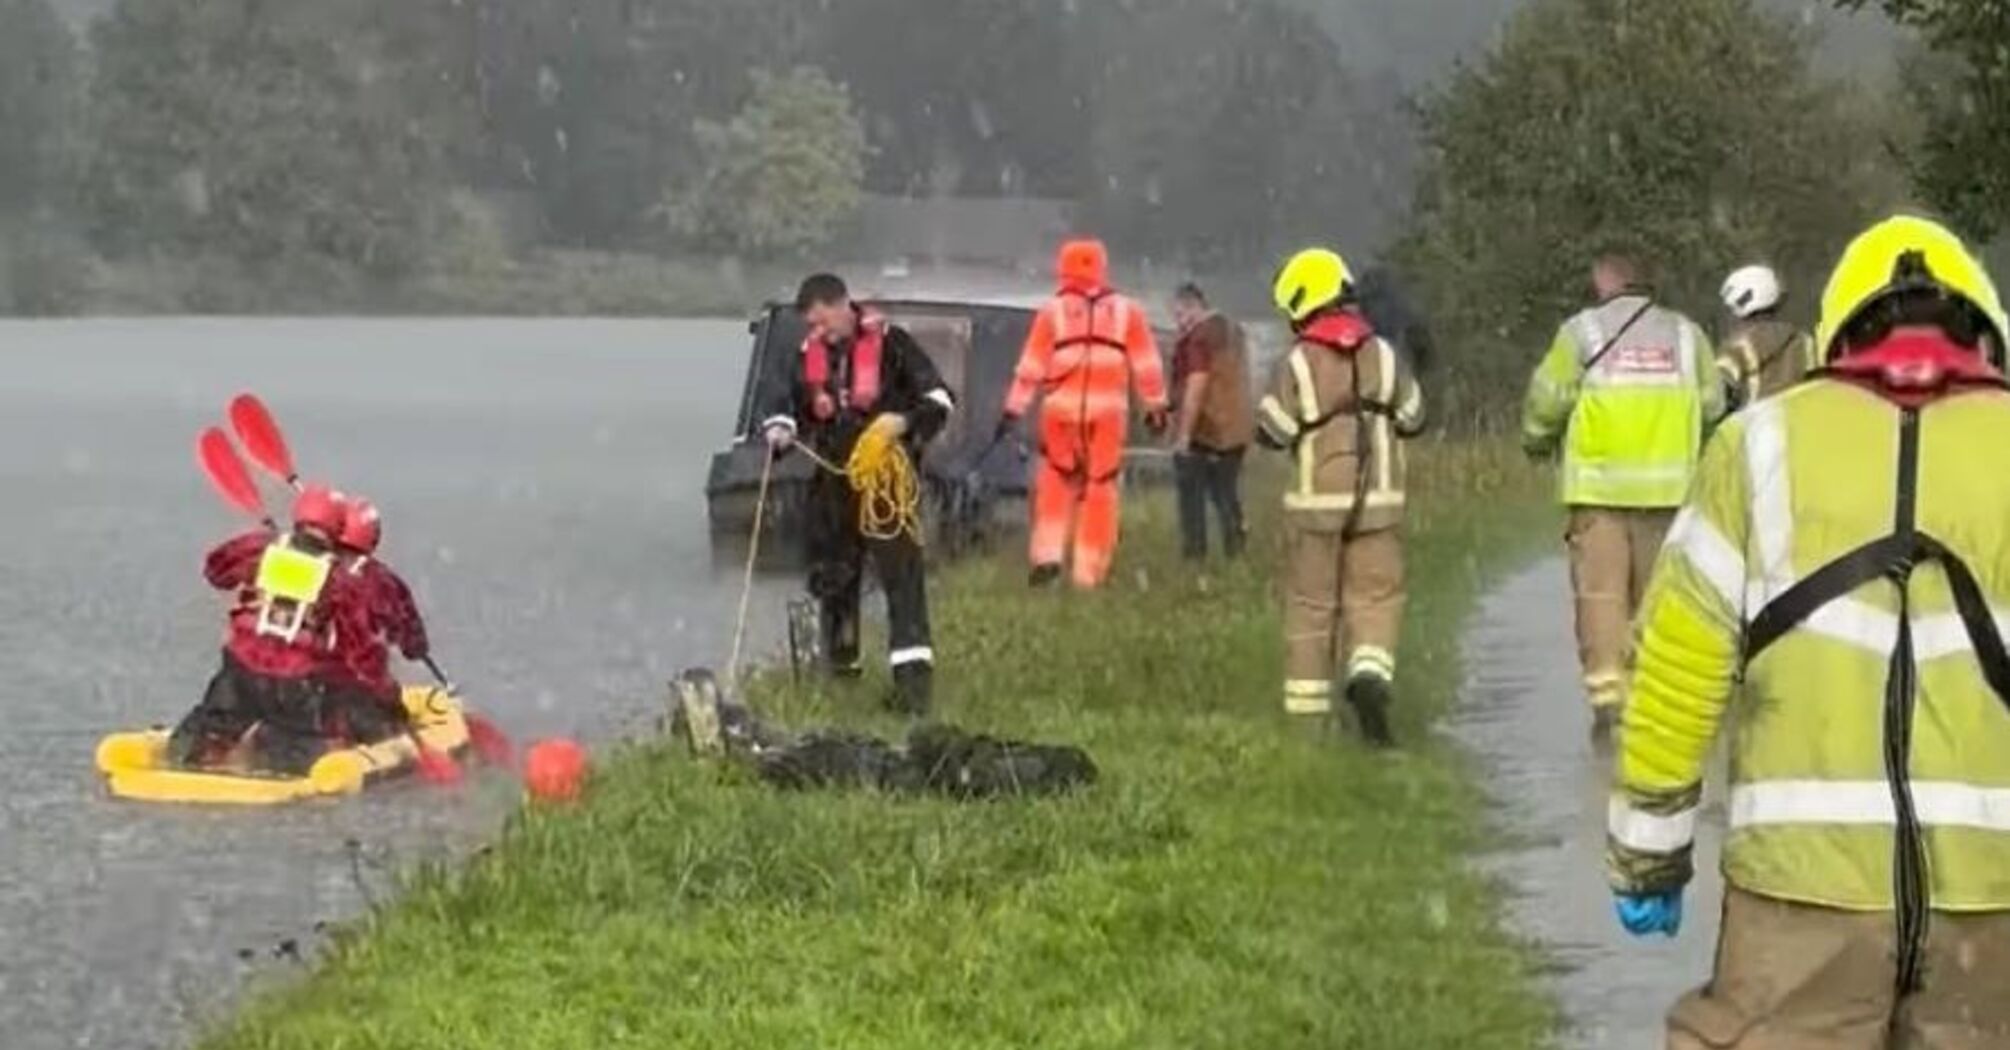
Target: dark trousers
[[1209, 478], [838, 556], [284, 712], [358, 714]]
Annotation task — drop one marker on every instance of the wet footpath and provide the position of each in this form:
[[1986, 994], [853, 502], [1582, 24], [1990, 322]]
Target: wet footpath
[[1524, 719]]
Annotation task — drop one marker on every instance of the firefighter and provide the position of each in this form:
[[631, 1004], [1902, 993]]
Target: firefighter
[[858, 371], [1834, 590], [1341, 403], [281, 638], [1087, 347], [1628, 389], [1763, 354], [364, 701]]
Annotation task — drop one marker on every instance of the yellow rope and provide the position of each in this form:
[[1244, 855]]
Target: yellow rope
[[889, 490]]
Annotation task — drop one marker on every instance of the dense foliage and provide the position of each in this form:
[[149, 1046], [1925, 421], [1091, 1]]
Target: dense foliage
[[782, 176], [361, 142], [1693, 135], [1961, 94]]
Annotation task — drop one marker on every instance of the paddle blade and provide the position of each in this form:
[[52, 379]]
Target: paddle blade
[[438, 767], [489, 742], [255, 427], [227, 474]]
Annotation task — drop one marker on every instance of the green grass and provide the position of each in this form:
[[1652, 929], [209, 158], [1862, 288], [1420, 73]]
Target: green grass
[[1230, 883]]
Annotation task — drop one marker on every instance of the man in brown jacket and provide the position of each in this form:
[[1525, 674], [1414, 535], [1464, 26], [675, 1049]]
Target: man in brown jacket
[[1216, 422], [1340, 403]]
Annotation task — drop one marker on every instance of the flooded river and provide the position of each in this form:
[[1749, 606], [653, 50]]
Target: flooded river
[[1525, 717], [542, 489]]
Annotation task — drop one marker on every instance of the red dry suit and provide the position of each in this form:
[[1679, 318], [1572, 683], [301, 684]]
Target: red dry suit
[[386, 616], [1087, 348], [233, 566]]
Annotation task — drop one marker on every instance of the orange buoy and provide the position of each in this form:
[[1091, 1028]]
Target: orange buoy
[[554, 770]]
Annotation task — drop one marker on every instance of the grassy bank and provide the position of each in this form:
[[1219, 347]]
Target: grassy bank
[[1230, 883]]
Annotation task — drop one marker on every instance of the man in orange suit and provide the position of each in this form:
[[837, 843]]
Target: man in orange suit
[[1088, 347]]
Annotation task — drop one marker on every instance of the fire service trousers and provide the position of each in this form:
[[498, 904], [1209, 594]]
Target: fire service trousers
[[838, 556], [1799, 977], [1076, 492], [1343, 607], [1612, 552]]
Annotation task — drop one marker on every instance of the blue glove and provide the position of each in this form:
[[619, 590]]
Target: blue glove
[[1645, 916]]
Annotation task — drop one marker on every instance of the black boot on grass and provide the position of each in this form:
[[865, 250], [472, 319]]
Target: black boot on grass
[[913, 690], [1369, 696]]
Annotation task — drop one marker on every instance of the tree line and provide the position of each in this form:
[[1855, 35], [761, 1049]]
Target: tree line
[[360, 140], [359, 136]]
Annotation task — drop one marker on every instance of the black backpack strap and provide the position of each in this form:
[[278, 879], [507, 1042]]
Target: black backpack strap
[[1890, 558], [1979, 621]]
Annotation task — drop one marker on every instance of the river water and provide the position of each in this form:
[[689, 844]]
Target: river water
[[1524, 716], [542, 489]]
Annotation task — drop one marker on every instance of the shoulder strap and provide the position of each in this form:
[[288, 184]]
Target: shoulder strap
[[1613, 342], [1893, 558], [1766, 361]]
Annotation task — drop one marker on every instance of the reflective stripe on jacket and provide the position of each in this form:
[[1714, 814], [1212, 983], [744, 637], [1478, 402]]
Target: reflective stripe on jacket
[[1340, 409], [1084, 353], [1786, 488], [1629, 401], [1763, 357]]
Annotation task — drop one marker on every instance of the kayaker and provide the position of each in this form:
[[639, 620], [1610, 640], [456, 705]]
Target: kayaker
[[280, 640], [364, 702]]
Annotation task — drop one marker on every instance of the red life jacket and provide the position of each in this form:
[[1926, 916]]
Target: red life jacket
[[1341, 331], [1913, 368], [868, 345]]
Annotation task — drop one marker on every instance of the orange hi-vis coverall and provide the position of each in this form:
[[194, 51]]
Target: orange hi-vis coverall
[[1085, 351]]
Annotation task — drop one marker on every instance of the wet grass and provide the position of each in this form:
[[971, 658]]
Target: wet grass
[[1230, 883]]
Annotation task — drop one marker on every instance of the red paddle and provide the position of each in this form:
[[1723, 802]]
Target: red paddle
[[260, 433], [228, 476]]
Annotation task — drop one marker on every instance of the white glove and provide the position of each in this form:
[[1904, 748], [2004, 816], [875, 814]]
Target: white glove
[[780, 438]]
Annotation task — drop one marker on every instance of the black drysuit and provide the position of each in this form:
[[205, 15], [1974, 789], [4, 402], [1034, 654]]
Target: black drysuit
[[909, 386]]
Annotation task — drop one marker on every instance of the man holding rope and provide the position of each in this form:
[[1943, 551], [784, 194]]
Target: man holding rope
[[862, 396]]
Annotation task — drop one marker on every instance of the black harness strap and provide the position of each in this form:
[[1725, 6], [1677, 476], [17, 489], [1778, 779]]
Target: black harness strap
[[1078, 472], [1895, 558], [1090, 339]]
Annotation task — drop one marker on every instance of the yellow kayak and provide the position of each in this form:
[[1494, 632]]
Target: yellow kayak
[[135, 764]]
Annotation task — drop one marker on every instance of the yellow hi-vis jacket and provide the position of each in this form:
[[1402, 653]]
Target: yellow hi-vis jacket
[[1629, 388], [1758, 583]]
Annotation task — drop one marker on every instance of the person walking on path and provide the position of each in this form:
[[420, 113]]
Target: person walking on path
[[1340, 404], [1763, 354], [1834, 590], [1627, 391], [1215, 424], [1087, 348]]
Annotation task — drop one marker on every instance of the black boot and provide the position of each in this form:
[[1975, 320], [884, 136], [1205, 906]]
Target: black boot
[[1044, 576], [1604, 724], [1369, 696], [913, 690]]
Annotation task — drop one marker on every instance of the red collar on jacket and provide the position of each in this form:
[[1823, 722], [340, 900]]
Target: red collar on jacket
[[1342, 330], [1914, 366]]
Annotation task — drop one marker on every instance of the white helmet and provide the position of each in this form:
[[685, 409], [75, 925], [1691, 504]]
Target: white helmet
[[1752, 290]]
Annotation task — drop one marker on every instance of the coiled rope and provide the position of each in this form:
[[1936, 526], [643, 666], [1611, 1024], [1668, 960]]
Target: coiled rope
[[883, 476]]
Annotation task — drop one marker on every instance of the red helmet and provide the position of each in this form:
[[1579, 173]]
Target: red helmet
[[319, 507], [362, 527]]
